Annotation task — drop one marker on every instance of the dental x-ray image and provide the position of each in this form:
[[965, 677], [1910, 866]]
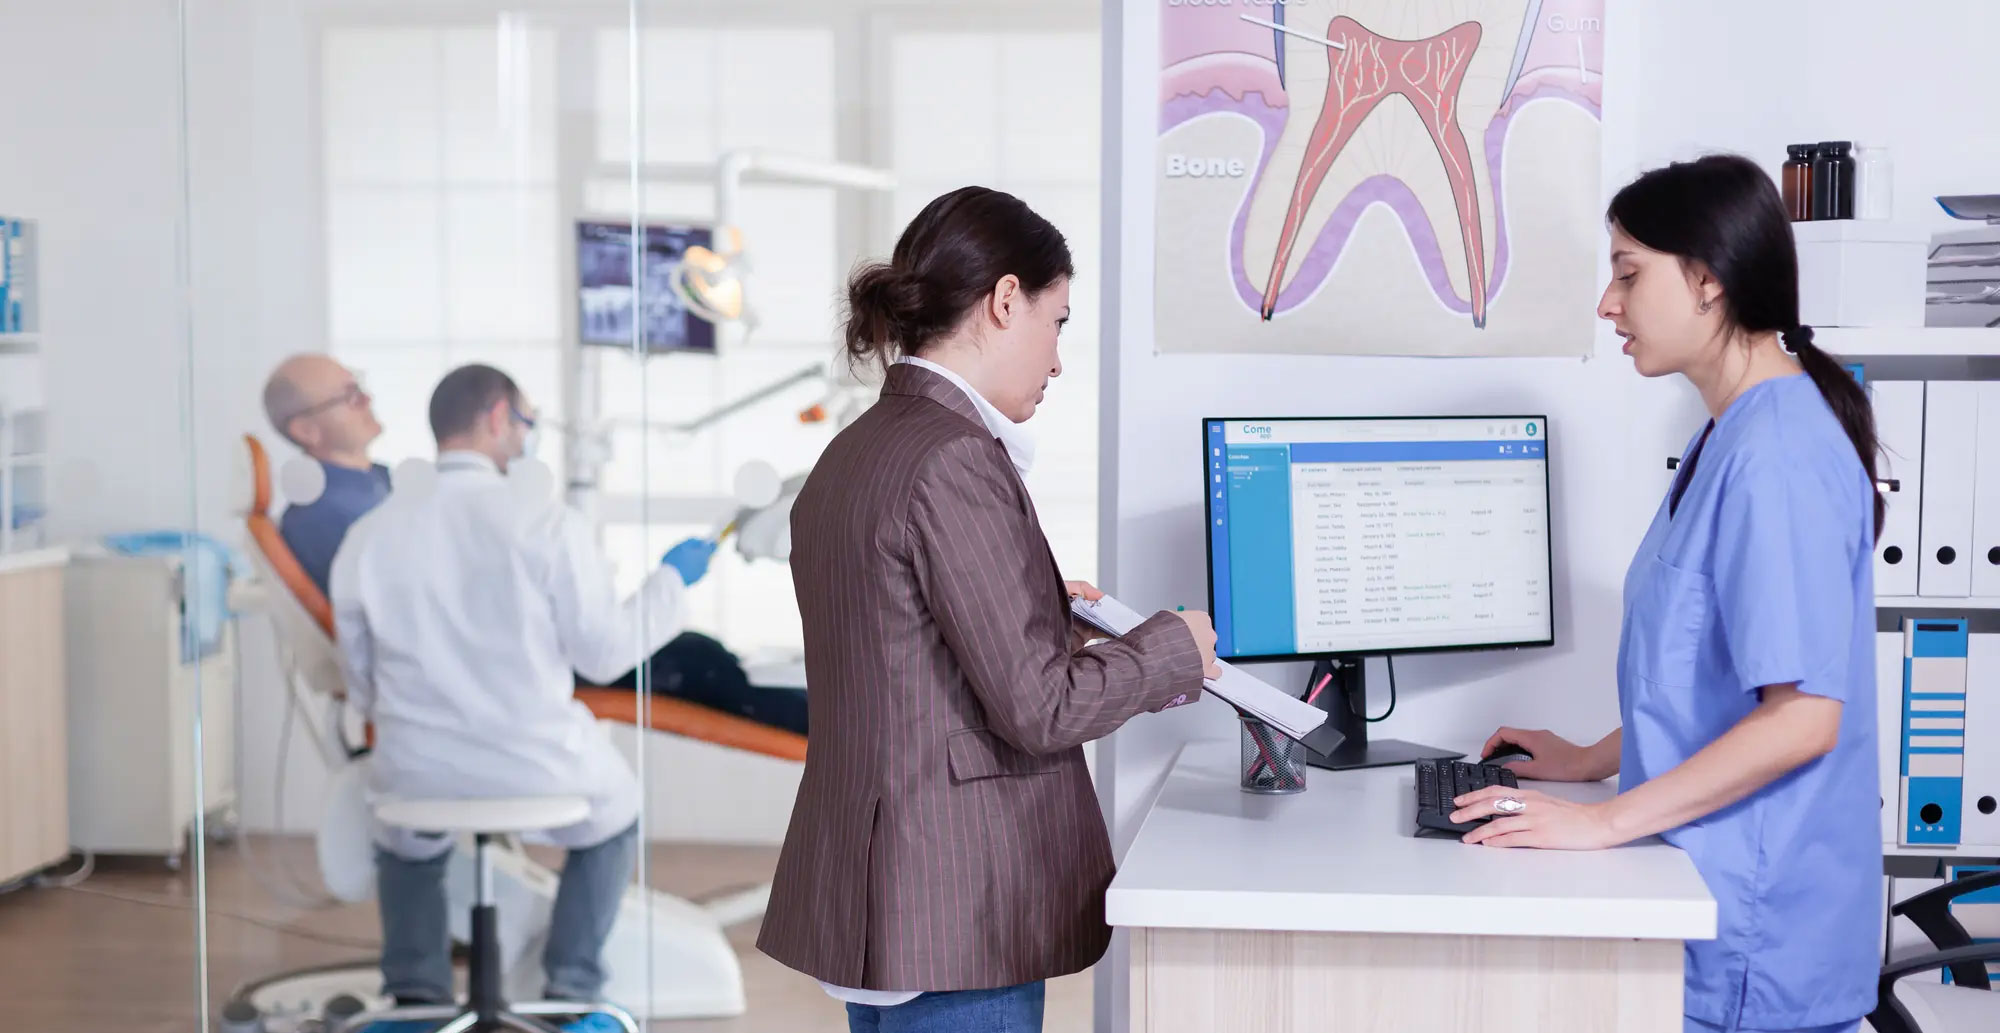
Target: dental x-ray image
[[605, 294]]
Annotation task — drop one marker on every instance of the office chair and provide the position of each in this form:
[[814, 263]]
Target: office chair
[[1964, 1005], [486, 1007]]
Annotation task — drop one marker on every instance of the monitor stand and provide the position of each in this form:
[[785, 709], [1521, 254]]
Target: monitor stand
[[1345, 700]]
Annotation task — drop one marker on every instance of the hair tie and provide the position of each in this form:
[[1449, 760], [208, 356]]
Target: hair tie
[[1798, 337]]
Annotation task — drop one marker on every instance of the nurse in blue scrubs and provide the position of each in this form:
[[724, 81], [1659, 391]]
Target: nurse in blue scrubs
[[1746, 677]]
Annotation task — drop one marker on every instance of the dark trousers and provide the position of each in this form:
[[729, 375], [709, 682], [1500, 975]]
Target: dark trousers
[[698, 669]]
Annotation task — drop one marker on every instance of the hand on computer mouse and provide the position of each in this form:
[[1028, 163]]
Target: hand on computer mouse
[[1540, 754]]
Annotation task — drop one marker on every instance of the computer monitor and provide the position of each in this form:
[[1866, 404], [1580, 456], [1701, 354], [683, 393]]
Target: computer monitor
[[605, 298], [1339, 538]]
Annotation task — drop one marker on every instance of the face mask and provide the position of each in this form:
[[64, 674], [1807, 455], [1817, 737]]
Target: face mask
[[528, 440]]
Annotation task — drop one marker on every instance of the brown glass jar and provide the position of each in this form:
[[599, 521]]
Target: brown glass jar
[[1797, 181]]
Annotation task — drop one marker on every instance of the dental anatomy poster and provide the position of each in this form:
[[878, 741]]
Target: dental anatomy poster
[[1379, 177]]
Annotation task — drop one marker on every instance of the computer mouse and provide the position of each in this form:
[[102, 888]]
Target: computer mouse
[[1505, 752]]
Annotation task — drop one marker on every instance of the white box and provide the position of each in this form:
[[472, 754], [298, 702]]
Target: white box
[[1861, 273], [1899, 429], [1889, 729], [1944, 525], [1979, 811], [1986, 493]]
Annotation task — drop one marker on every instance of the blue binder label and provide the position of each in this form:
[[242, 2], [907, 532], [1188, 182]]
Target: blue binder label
[[1933, 730]]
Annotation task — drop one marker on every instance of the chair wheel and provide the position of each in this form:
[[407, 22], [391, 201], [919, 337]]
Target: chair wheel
[[342, 1007], [240, 1016]]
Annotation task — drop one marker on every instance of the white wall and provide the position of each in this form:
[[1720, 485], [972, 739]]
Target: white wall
[[1682, 77], [143, 418], [88, 147], [260, 282]]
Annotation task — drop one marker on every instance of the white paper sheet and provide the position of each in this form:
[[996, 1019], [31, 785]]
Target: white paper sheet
[[1287, 713]]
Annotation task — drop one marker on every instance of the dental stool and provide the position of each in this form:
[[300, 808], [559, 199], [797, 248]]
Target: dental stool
[[485, 1008]]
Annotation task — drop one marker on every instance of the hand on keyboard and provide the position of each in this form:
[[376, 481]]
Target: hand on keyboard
[[1540, 820], [1439, 782]]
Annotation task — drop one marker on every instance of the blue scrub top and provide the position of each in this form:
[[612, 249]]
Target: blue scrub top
[[314, 531], [1765, 575]]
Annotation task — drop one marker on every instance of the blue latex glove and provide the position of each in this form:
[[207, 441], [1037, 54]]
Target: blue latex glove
[[690, 558]]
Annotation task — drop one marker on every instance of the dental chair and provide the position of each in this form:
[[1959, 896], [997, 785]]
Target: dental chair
[[1968, 1003], [695, 972]]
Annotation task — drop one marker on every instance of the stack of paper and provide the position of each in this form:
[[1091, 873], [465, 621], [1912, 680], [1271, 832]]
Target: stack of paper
[[1290, 715]]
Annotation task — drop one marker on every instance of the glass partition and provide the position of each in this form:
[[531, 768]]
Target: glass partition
[[246, 243]]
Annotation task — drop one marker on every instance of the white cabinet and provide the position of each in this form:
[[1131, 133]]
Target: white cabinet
[[132, 705]]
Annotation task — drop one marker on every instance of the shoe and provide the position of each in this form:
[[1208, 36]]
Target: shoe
[[595, 1022]]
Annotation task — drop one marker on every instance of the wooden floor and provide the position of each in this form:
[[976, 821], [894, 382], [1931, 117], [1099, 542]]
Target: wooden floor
[[77, 961]]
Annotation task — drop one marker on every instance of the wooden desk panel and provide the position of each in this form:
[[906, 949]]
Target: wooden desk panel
[[34, 743], [1202, 981]]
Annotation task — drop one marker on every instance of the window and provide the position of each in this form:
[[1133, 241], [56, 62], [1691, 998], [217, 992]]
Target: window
[[441, 213], [704, 92], [449, 209], [1018, 111]]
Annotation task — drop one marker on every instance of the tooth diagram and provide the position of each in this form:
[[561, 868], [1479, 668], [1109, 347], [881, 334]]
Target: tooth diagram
[[1332, 171], [1365, 69]]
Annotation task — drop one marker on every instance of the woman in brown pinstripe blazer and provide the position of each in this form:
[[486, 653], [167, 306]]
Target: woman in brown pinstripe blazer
[[946, 853]]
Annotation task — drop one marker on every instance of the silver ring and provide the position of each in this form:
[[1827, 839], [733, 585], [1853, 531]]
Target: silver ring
[[1509, 805]]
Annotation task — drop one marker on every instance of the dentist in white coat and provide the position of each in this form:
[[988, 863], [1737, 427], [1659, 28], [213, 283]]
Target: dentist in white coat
[[464, 611]]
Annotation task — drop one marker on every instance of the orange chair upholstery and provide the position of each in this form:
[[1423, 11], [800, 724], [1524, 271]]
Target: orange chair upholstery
[[674, 716]]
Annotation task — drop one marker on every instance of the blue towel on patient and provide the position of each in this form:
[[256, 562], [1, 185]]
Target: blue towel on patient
[[207, 566]]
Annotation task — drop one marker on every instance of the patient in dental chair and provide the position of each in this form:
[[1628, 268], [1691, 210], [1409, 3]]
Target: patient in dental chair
[[321, 407]]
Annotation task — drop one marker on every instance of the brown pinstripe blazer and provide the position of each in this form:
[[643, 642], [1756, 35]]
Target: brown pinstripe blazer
[[946, 835]]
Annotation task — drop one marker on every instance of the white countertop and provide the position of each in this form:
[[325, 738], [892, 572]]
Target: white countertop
[[1340, 857], [29, 559]]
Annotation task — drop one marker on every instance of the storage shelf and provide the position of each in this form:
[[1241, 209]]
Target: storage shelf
[[1974, 851], [1849, 342], [1932, 602]]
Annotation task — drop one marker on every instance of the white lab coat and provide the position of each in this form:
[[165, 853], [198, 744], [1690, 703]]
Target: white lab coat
[[464, 613]]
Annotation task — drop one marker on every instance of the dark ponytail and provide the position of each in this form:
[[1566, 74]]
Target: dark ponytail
[[1723, 212], [1848, 402], [948, 259]]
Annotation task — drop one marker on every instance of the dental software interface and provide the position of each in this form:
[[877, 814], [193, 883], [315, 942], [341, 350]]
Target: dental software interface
[[1377, 536]]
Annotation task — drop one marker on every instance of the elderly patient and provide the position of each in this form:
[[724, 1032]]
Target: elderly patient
[[320, 406], [462, 612]]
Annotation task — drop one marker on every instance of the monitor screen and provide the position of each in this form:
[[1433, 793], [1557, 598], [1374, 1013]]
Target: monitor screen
[[605, 295], [1376, 536]]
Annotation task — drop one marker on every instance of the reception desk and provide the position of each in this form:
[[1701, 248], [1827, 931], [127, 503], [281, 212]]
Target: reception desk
[[1320, 911]]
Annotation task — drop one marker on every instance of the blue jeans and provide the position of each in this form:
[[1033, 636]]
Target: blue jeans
[[416, 931], [1010, 1009]]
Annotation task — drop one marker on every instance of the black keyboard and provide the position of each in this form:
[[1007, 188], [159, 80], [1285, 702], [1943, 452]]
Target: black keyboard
[[1439, 782]]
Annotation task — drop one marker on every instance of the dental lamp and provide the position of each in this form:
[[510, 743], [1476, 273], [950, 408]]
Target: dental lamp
[[712, 283]]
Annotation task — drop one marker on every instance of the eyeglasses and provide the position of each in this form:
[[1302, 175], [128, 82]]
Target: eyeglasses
[[353, 395], [526, 420]]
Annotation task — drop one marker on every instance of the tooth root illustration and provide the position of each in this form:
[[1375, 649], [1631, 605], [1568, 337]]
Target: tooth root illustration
[[1366, 69]]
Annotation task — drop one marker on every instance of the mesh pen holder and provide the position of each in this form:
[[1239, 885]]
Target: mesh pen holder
[[1272, 763]]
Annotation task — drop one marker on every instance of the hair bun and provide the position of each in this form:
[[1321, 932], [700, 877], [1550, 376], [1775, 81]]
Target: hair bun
[[886, 308]]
